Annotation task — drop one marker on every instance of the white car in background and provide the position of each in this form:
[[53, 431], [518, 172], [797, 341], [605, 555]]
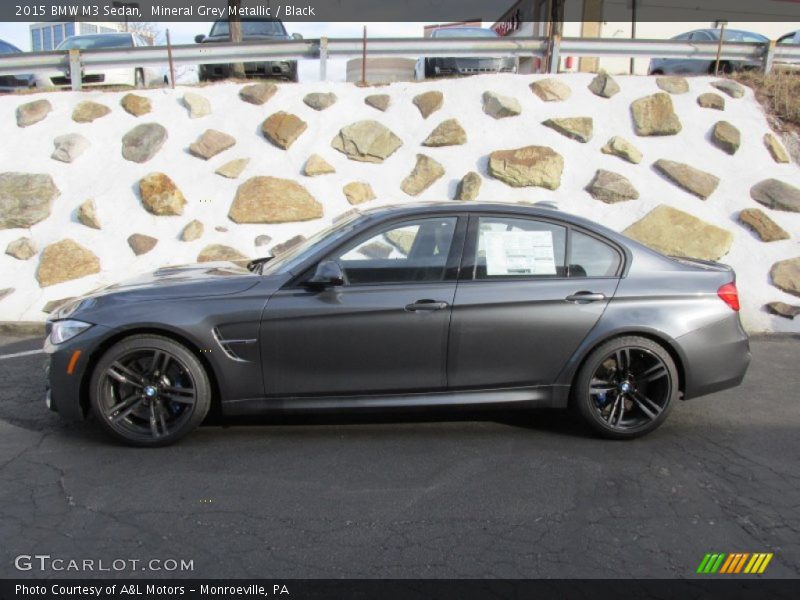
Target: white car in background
[[135, 77]]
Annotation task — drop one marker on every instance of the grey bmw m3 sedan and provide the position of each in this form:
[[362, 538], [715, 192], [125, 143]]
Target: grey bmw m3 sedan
[[427, 305]]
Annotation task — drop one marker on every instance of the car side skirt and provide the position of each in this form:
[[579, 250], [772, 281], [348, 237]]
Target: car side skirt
[[546, 396]]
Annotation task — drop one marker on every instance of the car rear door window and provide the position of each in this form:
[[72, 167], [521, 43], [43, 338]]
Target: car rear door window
[[518, 248], [590, 257], [411, 251]]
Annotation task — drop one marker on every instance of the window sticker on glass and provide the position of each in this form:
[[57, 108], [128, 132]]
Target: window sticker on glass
[[519, 253]]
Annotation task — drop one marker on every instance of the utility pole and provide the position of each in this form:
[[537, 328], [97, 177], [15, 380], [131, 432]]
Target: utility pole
[[235, 30], [633, 31]]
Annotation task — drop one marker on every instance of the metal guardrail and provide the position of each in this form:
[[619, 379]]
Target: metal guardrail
[[74, 62]]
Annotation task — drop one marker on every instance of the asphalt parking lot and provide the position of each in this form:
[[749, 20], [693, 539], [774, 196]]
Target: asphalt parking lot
[[446, 495]]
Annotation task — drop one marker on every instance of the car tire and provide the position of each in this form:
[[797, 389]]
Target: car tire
[[138, 79], [149, 390], [626, 387]]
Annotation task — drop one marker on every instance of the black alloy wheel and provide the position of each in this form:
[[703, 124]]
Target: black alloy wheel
[[149, 391], [626, 387]]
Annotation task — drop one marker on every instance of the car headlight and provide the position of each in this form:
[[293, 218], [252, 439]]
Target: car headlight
[[66, 330]]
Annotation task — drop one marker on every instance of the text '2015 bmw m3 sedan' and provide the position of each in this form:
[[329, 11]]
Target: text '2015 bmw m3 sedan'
[[428, 305]]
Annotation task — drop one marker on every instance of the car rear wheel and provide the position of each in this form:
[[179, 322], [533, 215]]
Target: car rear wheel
[[626, 387], [149, 390]]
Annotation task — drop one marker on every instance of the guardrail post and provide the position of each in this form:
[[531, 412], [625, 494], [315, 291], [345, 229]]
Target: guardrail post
[[769, 56], [555, 54], [323, 59], [75, 70]]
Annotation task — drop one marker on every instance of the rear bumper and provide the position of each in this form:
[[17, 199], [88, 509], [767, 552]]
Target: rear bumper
[[715, 357]]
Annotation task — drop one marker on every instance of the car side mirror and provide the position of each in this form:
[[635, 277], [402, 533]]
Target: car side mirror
[[328, 274], [199, 39], [297, 36]]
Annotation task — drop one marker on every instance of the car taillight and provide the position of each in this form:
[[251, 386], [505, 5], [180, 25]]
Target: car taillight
[[729, 295]]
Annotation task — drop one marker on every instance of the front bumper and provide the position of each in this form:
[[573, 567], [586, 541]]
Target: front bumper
[[111, 77], [285, 68], [472, 66], [67, 371]]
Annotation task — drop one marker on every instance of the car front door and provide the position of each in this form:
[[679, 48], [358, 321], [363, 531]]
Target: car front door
[[383, 331], [529, 292]]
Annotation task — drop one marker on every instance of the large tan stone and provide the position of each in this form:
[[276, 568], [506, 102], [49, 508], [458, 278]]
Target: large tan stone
[[673, 85], [726, 137], [775, 148], [733, 89], [425, 172], [316, 165], [619, 146], [677, 233], [654, 115], [777, 195], [273, 200], [319, 100], [610, 187], [711, 100], [366, 141], [232, 169], [447, 133], [197, 105], [694, 181], [141, 243], [211, 143], [142, 142], [378, 101], [64, 261], [603, 85], [258, 93], [22, 248], [527, 166], [282, 129], [193, 231], [87, 215], [358, 192], [575, 128], [32, 112], [160, 195], [551, 90], [764, 227], [469, 187], [136, 105], [499, 106], [220, 252], [88, 111], [785, 275], [428, 102], [25, 199]]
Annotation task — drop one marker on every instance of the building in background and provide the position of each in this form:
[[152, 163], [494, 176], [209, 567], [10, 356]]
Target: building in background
[[639, 19], [46, 36]]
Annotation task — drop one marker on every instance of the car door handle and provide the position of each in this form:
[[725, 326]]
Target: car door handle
[[426, 305], [584, 297]]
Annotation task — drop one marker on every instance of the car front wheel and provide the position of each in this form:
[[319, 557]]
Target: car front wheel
[[149, 390], [626, 387]]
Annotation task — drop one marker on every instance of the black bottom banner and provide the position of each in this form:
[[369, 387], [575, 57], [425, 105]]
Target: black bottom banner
[[403, 589]]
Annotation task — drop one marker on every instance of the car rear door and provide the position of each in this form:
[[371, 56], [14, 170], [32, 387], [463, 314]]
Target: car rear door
[[530, 290], [383, 331]]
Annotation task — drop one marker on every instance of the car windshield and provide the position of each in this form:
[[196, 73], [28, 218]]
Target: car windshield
[[250, 27], [6, 48], [461, 32], [86, 42], [735, 35], [293, 257]]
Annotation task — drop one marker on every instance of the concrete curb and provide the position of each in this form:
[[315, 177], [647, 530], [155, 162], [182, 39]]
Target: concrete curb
[[22, 328]]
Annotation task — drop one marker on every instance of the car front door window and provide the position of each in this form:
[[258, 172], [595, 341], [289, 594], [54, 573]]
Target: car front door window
[[412, 251]]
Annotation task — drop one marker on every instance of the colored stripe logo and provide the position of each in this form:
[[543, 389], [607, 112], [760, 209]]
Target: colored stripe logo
[[735, 563]]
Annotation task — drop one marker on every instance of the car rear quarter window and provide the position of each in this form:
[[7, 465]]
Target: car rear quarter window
[[519, 248], [591, 257]]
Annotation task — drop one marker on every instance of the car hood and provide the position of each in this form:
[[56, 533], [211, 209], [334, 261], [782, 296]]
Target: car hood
[[175, 282]]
